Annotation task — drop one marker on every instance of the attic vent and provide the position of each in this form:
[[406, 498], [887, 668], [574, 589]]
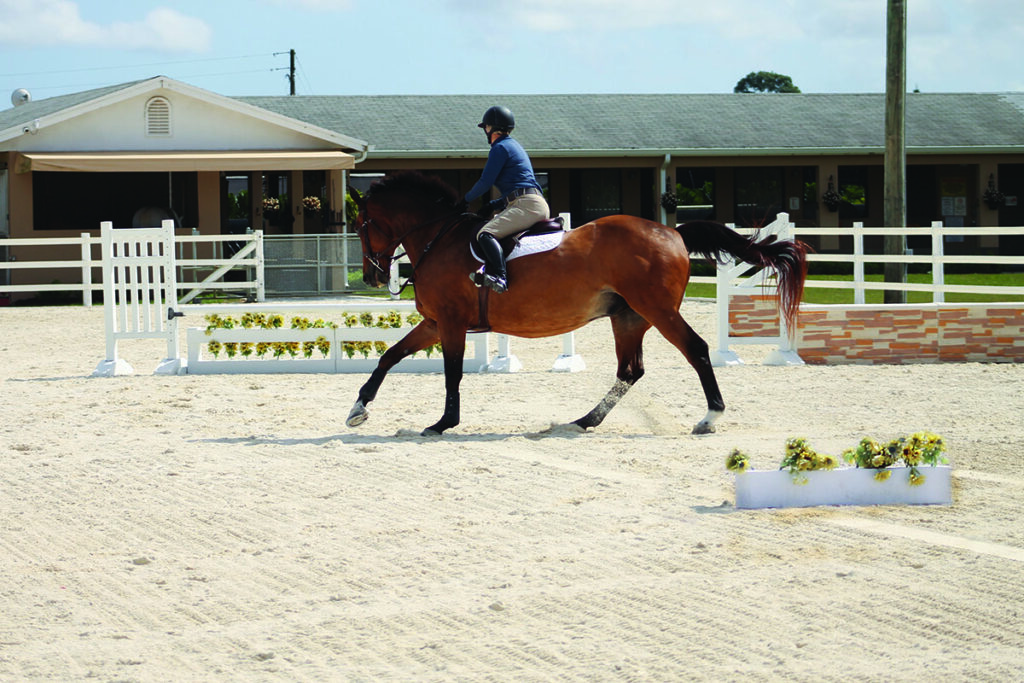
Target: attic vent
[[158, 116]]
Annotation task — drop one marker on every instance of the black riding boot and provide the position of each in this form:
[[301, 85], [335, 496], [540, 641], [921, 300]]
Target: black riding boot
[[495, 275]]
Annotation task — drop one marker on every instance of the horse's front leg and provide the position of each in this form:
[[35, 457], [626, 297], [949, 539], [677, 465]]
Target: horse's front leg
[[453, 344], [419, 338]]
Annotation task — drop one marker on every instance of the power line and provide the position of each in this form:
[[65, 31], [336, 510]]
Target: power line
[[132, 66], [305, 78], [182, 77]]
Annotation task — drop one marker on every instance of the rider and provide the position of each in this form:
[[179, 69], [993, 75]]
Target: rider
[[521, 203]]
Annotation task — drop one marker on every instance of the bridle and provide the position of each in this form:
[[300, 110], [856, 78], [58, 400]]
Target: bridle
[[382, 263]]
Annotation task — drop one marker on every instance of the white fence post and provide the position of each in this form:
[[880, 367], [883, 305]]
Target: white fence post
[[722, 355], [505, 361], [858, 263], [261, 283], [728, 273], [938, 264], [86, 269]]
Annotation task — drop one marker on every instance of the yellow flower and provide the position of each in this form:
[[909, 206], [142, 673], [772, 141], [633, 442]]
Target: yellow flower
[[882, 475], [323, 345], [737, 461]]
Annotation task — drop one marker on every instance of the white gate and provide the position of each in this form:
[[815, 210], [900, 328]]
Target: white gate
[[139, 293]]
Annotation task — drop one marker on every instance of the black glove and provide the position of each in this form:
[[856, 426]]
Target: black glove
[[489, 208]]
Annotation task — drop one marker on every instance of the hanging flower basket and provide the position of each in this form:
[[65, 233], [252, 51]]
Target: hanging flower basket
[[993, 198], [831, 198], [311, 205]]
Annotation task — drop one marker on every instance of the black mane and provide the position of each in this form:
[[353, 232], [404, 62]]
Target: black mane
[[415, 186]]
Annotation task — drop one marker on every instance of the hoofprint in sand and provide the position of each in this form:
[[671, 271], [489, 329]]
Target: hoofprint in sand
[[231, 527]]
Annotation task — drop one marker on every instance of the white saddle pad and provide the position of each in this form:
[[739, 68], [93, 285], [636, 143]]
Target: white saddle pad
[[532, 244]]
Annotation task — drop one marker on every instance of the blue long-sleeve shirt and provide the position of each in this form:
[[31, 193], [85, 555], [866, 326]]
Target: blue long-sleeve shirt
[[508, 168]]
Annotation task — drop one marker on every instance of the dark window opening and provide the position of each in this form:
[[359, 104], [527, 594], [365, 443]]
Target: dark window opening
[[695, 194], [759, 195], [853, 194], [81, 201]]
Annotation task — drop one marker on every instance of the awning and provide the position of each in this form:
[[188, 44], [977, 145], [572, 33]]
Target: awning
[[99, 162]]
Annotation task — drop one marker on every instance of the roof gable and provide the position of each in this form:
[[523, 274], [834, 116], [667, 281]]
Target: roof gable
[[105, 118]]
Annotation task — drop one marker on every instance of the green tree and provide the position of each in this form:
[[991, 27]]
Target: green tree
[[765, 81]]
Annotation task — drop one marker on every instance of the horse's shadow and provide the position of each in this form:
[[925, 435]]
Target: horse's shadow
[[402, 436]]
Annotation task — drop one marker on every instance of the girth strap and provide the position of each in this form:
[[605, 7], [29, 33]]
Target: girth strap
[[483, 297]]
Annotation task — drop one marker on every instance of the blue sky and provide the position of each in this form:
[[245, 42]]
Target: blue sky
[[437, 47]]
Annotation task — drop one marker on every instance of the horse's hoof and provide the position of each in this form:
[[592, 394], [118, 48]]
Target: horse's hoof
[[358, 415], [707, 425], [430, 431]]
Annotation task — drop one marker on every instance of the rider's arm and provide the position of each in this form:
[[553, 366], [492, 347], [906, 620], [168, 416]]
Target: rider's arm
[[495, 162]]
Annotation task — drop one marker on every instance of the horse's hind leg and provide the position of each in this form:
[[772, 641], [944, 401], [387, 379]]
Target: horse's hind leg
[[419, 338], [629, 330], [695, 349]]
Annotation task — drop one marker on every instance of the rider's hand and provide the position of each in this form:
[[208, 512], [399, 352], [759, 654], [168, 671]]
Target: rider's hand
[[488, 209]]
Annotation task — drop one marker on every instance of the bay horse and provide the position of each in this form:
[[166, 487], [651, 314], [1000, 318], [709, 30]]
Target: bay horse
[[631, 270]]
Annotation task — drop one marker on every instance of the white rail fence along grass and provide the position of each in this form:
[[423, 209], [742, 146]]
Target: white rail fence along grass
[[878, 333]]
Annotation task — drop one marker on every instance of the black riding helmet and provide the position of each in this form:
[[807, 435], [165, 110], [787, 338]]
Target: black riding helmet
[[500, 118]]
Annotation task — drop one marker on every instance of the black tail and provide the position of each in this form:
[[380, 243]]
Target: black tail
[[787, 258]]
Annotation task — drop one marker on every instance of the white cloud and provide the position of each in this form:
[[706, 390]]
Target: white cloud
[[729, 17], [316, 5], [59, 22]]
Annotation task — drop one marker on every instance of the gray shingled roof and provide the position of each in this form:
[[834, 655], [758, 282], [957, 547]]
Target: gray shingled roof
[[632, 124], [576, 125], [16, 116]]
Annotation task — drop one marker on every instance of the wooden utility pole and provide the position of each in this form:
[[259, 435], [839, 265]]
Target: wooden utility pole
[[895, 190], [291, 72]]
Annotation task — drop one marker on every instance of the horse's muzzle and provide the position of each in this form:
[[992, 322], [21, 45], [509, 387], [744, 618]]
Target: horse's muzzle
[[373, 274]]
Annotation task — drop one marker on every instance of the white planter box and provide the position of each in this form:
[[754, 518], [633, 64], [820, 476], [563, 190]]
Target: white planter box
[[847, 486], [200, 361]]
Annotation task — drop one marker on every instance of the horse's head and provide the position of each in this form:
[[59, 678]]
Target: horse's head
[[394, 209], [378, 241]]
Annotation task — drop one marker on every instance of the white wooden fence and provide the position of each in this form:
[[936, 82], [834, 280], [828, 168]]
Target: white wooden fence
[[731, 279], [141, 301], [249, 256], [938, 259]]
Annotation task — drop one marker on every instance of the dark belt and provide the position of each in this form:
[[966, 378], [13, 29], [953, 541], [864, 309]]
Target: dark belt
[[519, 192]]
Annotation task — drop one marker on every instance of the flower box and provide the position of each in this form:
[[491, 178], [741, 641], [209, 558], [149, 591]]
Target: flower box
[[201, 361], [846, 486]]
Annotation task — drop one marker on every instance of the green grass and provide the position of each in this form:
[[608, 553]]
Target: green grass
[[822, 295]]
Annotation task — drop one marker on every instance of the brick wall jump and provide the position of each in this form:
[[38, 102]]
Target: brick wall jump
[[892, 333]]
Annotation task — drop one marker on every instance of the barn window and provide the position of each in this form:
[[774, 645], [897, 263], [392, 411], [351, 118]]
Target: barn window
[[158, 116]]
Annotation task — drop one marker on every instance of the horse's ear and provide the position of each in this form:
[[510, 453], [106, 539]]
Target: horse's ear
[[356, 197]]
